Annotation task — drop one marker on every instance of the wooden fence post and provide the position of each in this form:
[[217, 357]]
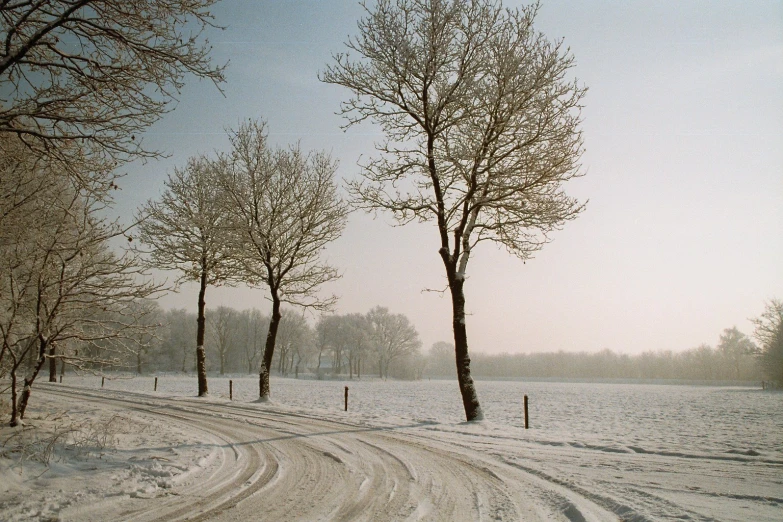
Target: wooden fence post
[[103, 381], [156, 385], [346, 398], [230, 390], [526, 419]]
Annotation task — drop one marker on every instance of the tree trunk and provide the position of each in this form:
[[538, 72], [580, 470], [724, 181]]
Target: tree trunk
[[359, 368], [30, 379], [466, 387], [14, 411], [269, 349], [52, 363], [201, 358]]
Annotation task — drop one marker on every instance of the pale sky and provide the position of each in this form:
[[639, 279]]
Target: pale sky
[[683, 126]]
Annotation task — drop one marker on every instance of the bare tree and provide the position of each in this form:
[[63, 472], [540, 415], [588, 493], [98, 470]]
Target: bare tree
[[334, 335], [292, 335], [769, 333], [223, 322], [186, 231], [285, 209], [359, 332], [82, 79], [736, 348], [62, 283], [393, 335], [147, 339], [304, 351], [441, 359], [181, 331], [22, 178], [321, 341], [255, 325], [481, 125]]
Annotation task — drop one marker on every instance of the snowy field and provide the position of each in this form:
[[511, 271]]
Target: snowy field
[[708, 421], [402, 452]]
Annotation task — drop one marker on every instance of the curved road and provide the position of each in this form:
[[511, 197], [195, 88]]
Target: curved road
[[282, 466]]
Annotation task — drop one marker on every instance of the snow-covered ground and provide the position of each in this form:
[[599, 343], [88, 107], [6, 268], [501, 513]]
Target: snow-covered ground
[[401, 452]]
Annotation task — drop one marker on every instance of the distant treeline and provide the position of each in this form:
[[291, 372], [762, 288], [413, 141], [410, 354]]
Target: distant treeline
[[382, 344], [698, 364], [377, 343]]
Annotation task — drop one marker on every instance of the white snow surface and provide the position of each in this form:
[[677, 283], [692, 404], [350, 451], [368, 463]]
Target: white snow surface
[[402, 452]]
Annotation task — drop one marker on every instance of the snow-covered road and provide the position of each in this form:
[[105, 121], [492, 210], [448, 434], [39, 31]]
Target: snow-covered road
[[178, 457], [268, 465]]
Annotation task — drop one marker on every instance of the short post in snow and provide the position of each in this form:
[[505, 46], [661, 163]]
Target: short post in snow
[[156, 385], [230, 390], [346, 398], [103, 381], [526, 418]]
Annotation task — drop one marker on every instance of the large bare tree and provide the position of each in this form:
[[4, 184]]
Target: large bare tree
[[481, 125], [285, 209], [187, 231], [96, 73]]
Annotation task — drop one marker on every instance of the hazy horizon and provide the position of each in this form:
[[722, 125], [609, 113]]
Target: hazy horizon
[[683, 126]]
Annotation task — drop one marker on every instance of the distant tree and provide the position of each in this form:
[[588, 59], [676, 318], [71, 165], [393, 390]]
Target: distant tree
[[333, 339], [322, 340], [293, 335], [186, 231], [223, 329], [254, 326], [182, 330], [482, 128], [82, 79], [147, 340], [736, 348], [284, 208], [441, 359], [769, 334], [393, 336], [359, 333], [174, 341]]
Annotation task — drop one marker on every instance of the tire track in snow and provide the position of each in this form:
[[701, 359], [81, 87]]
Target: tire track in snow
[[240, 464], [281, 466]]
